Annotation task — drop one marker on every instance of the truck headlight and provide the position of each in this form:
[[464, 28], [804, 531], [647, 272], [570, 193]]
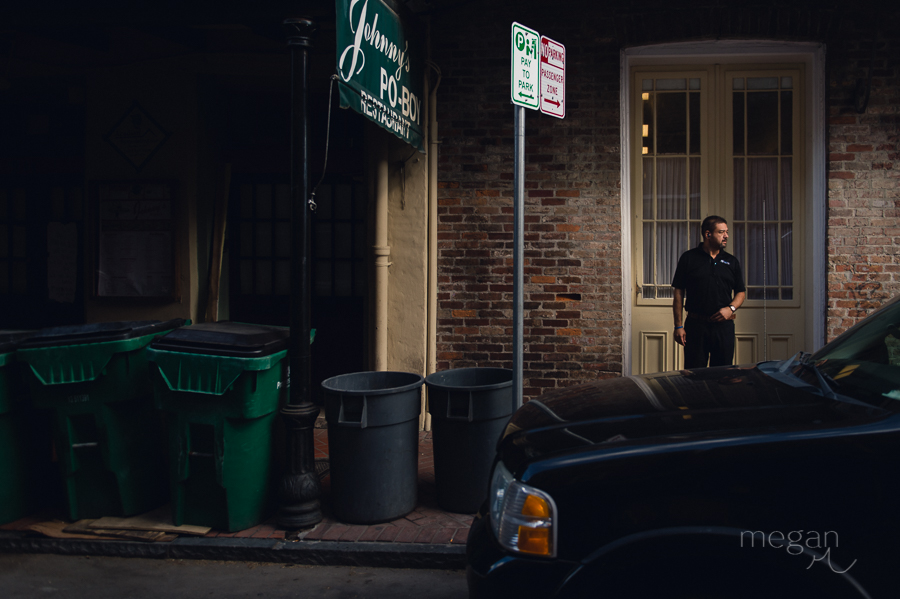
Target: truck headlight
[[523, 518]]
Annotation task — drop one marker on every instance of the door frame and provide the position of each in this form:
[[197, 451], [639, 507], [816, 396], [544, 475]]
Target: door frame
[[733, 52]]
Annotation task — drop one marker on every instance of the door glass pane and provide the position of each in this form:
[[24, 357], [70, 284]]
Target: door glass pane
[[787, 254], [283, 277], [283, 201], [670, 84], [648, 130], [762, 188], [263, 239], [787, 122], [695, 189], [648, 188], [762, 82], [323, 240], [648, 253], [755, 262], [738, 124], [739, 189], [694, 102], [738, 243], [283, 239], [762, 123], [323, 278], [343, 278], [246, 201], [343, 198], [264, 200], [671, 188], [246, 277], [787, 196], [263, 277], [672, 242], [671, 123], [343, 247], [246, 239]]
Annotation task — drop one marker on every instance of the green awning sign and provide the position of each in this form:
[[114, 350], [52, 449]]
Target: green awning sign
[[380, 67]]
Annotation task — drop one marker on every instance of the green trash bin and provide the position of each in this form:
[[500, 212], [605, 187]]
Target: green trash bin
[[221, 386], [15, 496], [95, 381]]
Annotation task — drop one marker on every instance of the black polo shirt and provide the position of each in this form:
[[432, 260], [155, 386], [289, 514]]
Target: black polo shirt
[[709, 283]]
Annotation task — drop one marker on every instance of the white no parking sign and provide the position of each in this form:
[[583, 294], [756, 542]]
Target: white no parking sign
[[553, 78]]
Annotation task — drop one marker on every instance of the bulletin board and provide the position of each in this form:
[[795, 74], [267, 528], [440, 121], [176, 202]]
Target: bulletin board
[[137, 240]]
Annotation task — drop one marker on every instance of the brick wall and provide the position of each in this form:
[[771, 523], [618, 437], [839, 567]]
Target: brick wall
[[864, 170], [573, 254], [572, 294]]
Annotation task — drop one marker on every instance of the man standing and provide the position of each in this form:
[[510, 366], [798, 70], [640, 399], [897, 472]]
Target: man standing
[[712, 280]]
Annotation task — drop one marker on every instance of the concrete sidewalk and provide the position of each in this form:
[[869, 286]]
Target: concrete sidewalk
[[428, 537]]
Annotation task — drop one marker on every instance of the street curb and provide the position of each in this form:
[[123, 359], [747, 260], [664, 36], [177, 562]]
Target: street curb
[[317, 553]]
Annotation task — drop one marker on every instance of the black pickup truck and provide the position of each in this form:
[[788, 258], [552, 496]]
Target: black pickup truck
[[779, 479]]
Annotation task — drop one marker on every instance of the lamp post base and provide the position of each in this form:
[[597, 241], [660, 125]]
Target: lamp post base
[[299, 488]]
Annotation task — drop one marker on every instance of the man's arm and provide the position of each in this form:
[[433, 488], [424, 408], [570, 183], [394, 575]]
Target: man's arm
[[678, 313]]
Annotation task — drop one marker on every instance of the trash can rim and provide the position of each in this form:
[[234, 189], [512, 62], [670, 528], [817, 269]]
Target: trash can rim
[[431, 381], [330, 384]]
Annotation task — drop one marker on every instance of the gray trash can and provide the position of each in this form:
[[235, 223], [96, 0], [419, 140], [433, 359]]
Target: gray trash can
[[373, 444], [470, 408]]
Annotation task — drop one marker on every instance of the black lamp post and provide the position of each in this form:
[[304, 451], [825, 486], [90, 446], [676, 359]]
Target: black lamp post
[[300, 487]]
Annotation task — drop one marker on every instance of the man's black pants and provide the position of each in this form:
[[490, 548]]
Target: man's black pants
[[708, 342]]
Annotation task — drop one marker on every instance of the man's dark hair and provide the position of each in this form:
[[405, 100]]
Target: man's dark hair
[[709, 224]]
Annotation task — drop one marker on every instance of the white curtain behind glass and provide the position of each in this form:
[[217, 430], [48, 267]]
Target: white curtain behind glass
[[672, 198]]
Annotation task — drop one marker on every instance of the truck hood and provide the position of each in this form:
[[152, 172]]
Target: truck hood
[[664, 408]]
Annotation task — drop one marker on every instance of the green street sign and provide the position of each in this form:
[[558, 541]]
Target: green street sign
[[525, 67]]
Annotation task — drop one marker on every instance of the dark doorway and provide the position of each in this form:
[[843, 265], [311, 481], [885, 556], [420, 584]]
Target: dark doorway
[[260, 251], [42, 132]]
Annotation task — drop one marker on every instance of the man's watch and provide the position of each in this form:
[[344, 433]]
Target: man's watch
[[733, 309]]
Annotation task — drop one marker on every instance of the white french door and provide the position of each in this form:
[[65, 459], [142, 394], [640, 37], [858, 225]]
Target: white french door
[[725, 140]]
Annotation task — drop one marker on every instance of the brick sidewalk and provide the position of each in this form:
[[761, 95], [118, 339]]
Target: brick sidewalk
[[427, 524]]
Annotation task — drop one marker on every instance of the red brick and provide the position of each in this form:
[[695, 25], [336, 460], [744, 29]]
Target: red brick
[[335, 532], [353, 533], [425, 535], [443, 535], [461, 536], [407, 534], [372, 533], [568, 332], [388, 534]]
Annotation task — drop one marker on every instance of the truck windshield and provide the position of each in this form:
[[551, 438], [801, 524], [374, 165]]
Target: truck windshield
[[865, 361]]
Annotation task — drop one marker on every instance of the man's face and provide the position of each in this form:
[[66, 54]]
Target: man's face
[[718, 239]]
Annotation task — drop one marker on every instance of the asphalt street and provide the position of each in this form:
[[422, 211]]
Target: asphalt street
[[41, 575]]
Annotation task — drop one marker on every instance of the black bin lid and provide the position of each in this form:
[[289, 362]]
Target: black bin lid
[[234, 339], [10, 340], [98, 332]]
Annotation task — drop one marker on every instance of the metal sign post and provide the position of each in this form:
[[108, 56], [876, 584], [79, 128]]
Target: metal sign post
[[518, 254], [525, 93], [537, 81]]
